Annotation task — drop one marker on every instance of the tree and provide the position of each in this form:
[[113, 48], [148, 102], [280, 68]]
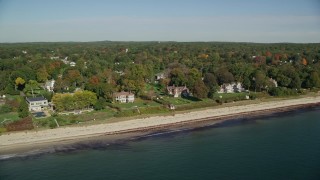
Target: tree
[[79, 100], [23, 110], [224, 76], [210, 82], [178, 77], [19, 82], [200, 89], [260, 80], [295, 82], [74, 77], [42, 74], [31, 86], [101, 104], [304, 61], [313, 80]]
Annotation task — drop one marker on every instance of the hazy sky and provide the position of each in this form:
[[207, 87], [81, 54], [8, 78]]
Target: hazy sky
[[160, 20]]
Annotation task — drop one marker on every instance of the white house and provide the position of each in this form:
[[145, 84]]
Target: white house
[[124, 97], [159, 76], [72, 64], [274, 82], [49, 85], [231, 88], [37, 103], [177, 91]]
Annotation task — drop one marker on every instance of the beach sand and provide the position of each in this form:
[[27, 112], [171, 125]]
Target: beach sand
[[29, 139]]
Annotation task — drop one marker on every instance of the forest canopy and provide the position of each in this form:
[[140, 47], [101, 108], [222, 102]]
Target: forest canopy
[[108, 67]]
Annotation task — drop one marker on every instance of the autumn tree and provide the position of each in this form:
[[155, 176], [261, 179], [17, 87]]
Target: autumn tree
[[304, 61], [19, 83], [73, 77]]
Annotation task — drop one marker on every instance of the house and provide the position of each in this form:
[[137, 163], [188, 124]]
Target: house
[[171, 106], [274, 82], [231, 88], [159, 76], [37, 103], [49, 85], [72, 64], [124, 97], [2, 100], [177, 91]]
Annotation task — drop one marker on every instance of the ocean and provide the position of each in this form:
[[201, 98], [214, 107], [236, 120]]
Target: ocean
[[279, 146]]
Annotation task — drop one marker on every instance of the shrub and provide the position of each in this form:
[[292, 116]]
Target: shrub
[[282, 91], [2, 130], [5, 109], [23, 124], [52, 124], [101, 104], [127, 113]]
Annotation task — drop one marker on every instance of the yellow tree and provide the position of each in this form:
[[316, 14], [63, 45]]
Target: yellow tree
[[19, 82]]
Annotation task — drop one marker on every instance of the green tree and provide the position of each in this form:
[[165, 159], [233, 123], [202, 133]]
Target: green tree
[[260, 80], [224, 76], [313, 80], [32, 85], [178, 77], [200, 89], [42, 74], [23, 110]]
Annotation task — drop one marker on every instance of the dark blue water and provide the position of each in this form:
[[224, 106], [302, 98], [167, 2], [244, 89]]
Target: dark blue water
[[285, 146]]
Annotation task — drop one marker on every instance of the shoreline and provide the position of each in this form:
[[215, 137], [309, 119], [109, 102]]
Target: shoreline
[[33, 140]]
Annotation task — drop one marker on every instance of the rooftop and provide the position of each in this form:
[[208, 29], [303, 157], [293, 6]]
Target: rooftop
[[122, 93], [32, 99]]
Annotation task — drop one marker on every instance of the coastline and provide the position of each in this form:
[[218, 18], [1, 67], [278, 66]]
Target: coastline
[[33, 140]]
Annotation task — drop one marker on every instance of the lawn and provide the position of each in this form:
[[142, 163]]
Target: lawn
[[138, 102], [229, 95], [177, 101], [8, 117]]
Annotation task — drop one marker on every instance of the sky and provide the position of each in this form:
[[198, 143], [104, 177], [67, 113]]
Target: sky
[[262, 21]]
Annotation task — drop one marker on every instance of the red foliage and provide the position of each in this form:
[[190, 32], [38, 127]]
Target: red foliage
[[94, 80], [277, 57], [259, 60], [22, 124], [268, 54], [304, 61]]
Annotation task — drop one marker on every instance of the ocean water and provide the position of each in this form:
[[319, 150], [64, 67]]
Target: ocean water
[[281, 146]]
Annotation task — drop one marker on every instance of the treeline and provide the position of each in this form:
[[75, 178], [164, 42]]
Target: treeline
[[108, 67]]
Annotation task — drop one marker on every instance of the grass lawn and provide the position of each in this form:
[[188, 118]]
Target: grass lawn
[[9, 117], [229, 95], [137, 103]]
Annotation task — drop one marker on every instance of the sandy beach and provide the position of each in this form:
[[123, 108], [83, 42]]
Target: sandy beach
[[32, 138]]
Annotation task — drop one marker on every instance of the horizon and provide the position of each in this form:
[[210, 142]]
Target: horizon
[[154, 41], [247, 21]]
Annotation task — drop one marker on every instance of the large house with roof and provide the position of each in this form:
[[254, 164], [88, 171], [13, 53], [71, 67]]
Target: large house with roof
[[231, 88], [49, 85], [124, 97], [37, 103], [177, 91]]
